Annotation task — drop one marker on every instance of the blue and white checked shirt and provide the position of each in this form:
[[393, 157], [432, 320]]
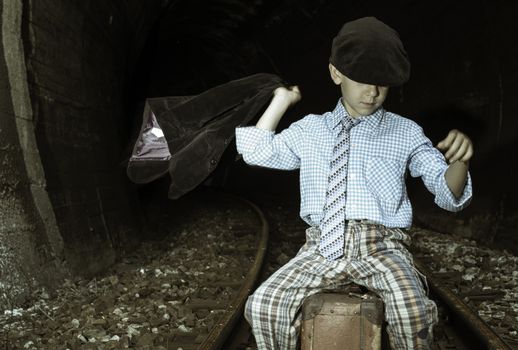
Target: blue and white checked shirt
[[383, 145]]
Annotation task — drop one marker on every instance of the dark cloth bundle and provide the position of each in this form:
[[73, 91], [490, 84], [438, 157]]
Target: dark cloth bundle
[[187, 135]]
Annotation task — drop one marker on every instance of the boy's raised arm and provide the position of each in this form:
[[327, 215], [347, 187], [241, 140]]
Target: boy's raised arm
[[260, 145], [283, 98]]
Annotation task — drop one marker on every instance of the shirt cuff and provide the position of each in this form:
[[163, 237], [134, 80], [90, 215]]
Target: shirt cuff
[[248, 137], [447, 200]]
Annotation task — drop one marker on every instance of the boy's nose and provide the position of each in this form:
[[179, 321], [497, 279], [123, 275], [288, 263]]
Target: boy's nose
[[373, 90]]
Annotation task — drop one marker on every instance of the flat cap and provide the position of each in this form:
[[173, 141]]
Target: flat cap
[[368, 51]]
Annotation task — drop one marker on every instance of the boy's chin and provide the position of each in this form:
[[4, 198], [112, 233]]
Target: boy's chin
[[367, 111]]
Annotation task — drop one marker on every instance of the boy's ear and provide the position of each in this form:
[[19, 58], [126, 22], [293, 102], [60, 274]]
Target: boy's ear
[[336, 76]]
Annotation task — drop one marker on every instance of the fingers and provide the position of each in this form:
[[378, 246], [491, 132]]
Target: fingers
[[453, 148], [290, 94], [280, 90], [288, 90], [469, 153], [294, 94], [295, 91], [292, 88], [446, 143], [295, 88], [457, 146], [458, 150]]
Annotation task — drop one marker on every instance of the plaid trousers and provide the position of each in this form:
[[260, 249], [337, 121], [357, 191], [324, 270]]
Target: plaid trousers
[[375, 257]]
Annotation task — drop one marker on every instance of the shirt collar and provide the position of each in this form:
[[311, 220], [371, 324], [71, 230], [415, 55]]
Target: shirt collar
[[371, 121]]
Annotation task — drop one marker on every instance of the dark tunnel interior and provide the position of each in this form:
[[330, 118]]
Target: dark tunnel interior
[[90, 65]]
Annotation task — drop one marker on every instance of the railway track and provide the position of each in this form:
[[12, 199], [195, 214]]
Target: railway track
[[186, 288], [182, 288], [460, 328], [229, 321]]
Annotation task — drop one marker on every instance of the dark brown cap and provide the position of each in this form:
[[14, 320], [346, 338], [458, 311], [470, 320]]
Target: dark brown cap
[[368, 51]]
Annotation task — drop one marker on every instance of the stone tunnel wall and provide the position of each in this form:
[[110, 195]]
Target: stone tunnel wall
[[80, 56], [66, 204], [30, 245]]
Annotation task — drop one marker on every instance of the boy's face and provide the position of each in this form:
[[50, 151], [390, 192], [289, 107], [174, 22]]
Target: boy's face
[[359, 99]]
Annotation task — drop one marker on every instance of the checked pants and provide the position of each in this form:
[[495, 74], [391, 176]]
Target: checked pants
[[375, 257]]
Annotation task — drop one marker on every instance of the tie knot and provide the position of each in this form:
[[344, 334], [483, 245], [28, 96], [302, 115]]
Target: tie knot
[[348, 122]]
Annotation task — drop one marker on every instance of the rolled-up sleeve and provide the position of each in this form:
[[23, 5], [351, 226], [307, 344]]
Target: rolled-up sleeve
[[428, 162], [447, 200], [265, 148]]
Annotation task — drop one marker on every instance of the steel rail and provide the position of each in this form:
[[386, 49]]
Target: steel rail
[[483, 335], [221, 331]]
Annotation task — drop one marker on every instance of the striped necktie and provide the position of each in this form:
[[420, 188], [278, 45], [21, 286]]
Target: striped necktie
[[332, 226]]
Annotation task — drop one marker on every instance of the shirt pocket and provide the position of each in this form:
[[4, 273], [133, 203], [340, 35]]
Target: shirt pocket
[[384, 179]]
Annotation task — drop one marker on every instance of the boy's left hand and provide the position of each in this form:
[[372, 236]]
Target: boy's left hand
[[457, 146]]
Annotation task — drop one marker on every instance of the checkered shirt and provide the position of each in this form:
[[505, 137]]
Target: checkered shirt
[[383, 146]]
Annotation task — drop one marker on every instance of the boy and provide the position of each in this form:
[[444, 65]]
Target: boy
[[352, 163]]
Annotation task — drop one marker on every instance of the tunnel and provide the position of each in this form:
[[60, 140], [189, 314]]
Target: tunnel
[[74, 76]]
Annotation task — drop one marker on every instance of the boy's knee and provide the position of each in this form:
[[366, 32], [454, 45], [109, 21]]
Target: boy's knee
[[254, 305], [431, 320], [415, 332], [423, 333], [430, 317], [248, 311], [423, 318]]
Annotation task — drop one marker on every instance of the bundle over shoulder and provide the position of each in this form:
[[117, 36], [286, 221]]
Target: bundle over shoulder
[[186, 136]]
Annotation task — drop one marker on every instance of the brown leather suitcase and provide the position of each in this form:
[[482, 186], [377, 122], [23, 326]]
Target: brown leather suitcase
[[347, 321]]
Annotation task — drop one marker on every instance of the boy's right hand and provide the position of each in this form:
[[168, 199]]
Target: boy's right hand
[[291, 94], [283, 98]]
